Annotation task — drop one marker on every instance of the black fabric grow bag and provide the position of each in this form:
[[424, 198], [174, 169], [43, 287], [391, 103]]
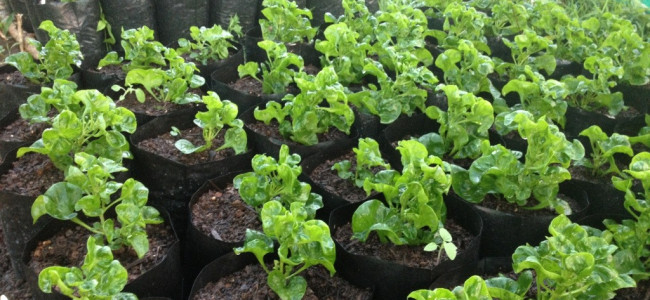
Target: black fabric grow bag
[[128, 14], [222, 10], [175, 17], [13, 95]]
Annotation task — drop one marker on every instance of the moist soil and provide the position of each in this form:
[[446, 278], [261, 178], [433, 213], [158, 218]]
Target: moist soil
[[151, 106], [20, 130], [163, 145], [30, 175], [112, 70], [14, 78], [247, 85], [642, 291], [223, 215], [502, 205], [331, 182], [412, 256], [250, 283], [10, 285], [273, 131], [583, 173], [68, 248]]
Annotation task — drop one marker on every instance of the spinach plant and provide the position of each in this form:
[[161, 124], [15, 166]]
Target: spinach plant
[[55, 59], [467, 68], [321, 104], [605, 147], [594, 94], [273, 179], [219, 114], [463, 22], [540, 97], [343, 50], [169, 85], [356, 16], [59, 97], [100, 277], [88, 190], [475, 287], [141, 51], [210, 44], [508, 17], [575, 262], [368, 157], [414, 211], [464, 125], [278, 71], [285, 22], [531, 53], [96, 128], [302, 243], [499, 171]]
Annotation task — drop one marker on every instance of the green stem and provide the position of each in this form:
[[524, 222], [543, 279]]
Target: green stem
[[84, 225]]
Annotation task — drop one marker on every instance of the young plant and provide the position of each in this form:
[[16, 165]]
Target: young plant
[[594, 94], [508, 17], [321, 104], [55, 59], [476, 287], [575, 262], [285, 22], [463, 22], [219, 114], [540, 97], [464, 125], [96, 128], [277, 180], [88, 190], [278, 71], [368, 157], [414, 211], [210, 44], [499, 171], [467, 68], [100, 277], [356, 16], [141, 51], [343, 50], [302, 243], [59, 96], [531, 53], [169, 85], [604, 148]]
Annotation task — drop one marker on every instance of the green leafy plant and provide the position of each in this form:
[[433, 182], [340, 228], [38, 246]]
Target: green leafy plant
[[169, 85], [464, 125], [594, 94], [463, 22], [467, 68], [55, 59], [59, 97], [368, 157], [100, 277], [508, 17], [141, 51], [414, 211], [605, 147], [321, 104], [273, 179], [476, 287], [285, 22], [278, 71], [531, 53], [356, 16], [219, 114], [343, 50], [210, 44], [302, 243], [96, 128], [540, 97], [575, 262], [499, 171]]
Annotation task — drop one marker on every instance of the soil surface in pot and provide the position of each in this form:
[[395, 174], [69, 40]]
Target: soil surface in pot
[[112, 70], [331, 182], [151, 106], [163, 145], [412, 256], [642, 291], [30, 175], [14, 78], [68, 248], [273, 131], [223, 215], [250, 283], [586, 174], [247, 85], [10, 285], [497, 203], [21, 130]]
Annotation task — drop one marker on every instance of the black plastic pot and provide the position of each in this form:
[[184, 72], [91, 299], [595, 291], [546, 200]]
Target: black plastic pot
[[172, 179], [320, 7], [128, 14], [578, 120], [271, 145], [486, 268], [175, 17], [13, 95], [163, 280], [504, 232], [200, 249], [393, 280], [220, 267], [634, 96], [98, 80], [222, 10], [80, 17]]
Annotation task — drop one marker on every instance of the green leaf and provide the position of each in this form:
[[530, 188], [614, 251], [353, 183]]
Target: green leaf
[[293, 288]]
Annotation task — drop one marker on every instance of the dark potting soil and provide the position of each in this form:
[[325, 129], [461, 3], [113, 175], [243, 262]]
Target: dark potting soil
[[273, 131], [112, 70], [163, 145], [247, 85], [150, 106], [500, 204], [585, 174], [30, 175], [250, 283], [68, 248], [14, 78], [21, 130], [223, 215], [641, 291], [412, 256], [10, 285], [330, 180]]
